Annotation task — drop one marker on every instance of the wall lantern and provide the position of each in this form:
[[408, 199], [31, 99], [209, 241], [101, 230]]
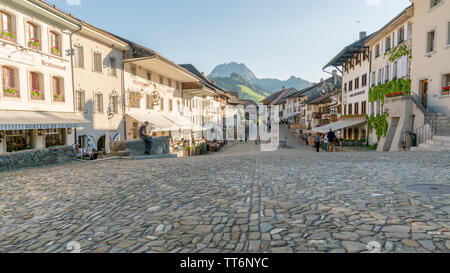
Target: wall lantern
[[69, 131], [2, 134], [40, 132]]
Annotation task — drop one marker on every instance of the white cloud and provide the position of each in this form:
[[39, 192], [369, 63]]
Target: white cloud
[[73, 2], [373, 2]]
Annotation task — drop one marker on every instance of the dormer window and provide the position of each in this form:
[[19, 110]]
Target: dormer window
[[33, 36]]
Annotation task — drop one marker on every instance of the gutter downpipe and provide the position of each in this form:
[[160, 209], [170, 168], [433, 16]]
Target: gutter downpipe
[[124, 108], [73, 74], [369, 84]]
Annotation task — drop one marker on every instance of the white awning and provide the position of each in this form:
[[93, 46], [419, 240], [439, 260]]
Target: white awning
[[28, 120], [182, 122], [157, 122], [342, 124]]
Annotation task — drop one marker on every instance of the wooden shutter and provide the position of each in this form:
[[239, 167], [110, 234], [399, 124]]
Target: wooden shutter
[[34, 81]]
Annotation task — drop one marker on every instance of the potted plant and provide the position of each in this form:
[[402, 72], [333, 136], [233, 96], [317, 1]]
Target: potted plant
[[56, 51], [189, 149], [36, 94], [445, 90], [35, 43], [10, 92], [8, 35], [57, 97]]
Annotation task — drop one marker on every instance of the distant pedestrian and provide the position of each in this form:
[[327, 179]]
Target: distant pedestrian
[[325, 143], [317, 142], [331, 139], [146, 138]]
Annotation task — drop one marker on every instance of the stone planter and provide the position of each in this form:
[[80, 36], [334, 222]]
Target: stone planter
[[5, 37], [11, 95]]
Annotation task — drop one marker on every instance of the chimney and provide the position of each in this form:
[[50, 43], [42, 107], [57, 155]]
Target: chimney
[[362, 35]]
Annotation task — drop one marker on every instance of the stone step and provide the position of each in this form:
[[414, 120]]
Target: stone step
[[145, 157], [433, 147], [439, 137], [437, 142]]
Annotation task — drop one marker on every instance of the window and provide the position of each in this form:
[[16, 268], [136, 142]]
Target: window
[[58, 89], [431, 40], [135, 99], [386, 74], [364, 80], [377, 51], [6, 27], [55, 45], [112, 62], [364, 107], [149, 104], [161, 80], [161, 104], [78, 56], [98, 62], [379, 76], [394, 70], [350, 108], [10, 86], [374, 79], [98, 103], [114, 104], [401, 35], [434, 3], [18, 140], [448, 33], [149, 76], [55, 137], [357, 108], [446, 85], [169, 81], [79, 101], [178, 83], [37, 90], [33, 37], [345, 87], [350, 86], [388, 43], [356, 83], [133, 70], [170, 105]]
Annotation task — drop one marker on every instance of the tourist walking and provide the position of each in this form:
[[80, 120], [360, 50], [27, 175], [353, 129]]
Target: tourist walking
[[146, 138], [331, 139], [317, 142], [325, 143]]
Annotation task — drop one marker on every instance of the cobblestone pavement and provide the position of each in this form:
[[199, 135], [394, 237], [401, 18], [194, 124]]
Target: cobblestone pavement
[[240, 200]]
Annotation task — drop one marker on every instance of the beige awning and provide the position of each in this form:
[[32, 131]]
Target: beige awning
[[342, 124], [182, 122], [27, 120], [157, 122]]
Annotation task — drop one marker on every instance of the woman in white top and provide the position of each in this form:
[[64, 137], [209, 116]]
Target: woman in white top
[[325, 143]]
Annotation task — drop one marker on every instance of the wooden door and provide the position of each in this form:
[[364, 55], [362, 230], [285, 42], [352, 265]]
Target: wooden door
[[424, 92]]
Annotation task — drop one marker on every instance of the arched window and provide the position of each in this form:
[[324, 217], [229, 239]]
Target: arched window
[[6, 27], [33, 36], [10, 82], [36, 86], [58, 89]]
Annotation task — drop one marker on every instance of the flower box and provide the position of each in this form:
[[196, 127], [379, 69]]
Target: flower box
[[36, 44], [8, 36], [446, 90], [58, 98], [10, 92], [37, 94], [56, 51], [396, 94]]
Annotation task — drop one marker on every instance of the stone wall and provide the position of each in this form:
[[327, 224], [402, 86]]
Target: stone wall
[[9, 161], [137, 147]]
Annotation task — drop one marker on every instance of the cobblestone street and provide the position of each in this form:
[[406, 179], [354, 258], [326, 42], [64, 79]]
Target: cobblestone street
[[239, 200]]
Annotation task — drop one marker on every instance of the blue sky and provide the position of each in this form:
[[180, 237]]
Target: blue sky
[[274, 38]]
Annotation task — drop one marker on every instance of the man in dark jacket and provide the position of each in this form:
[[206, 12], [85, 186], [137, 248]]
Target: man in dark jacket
[[146, 138], [331, 139]]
